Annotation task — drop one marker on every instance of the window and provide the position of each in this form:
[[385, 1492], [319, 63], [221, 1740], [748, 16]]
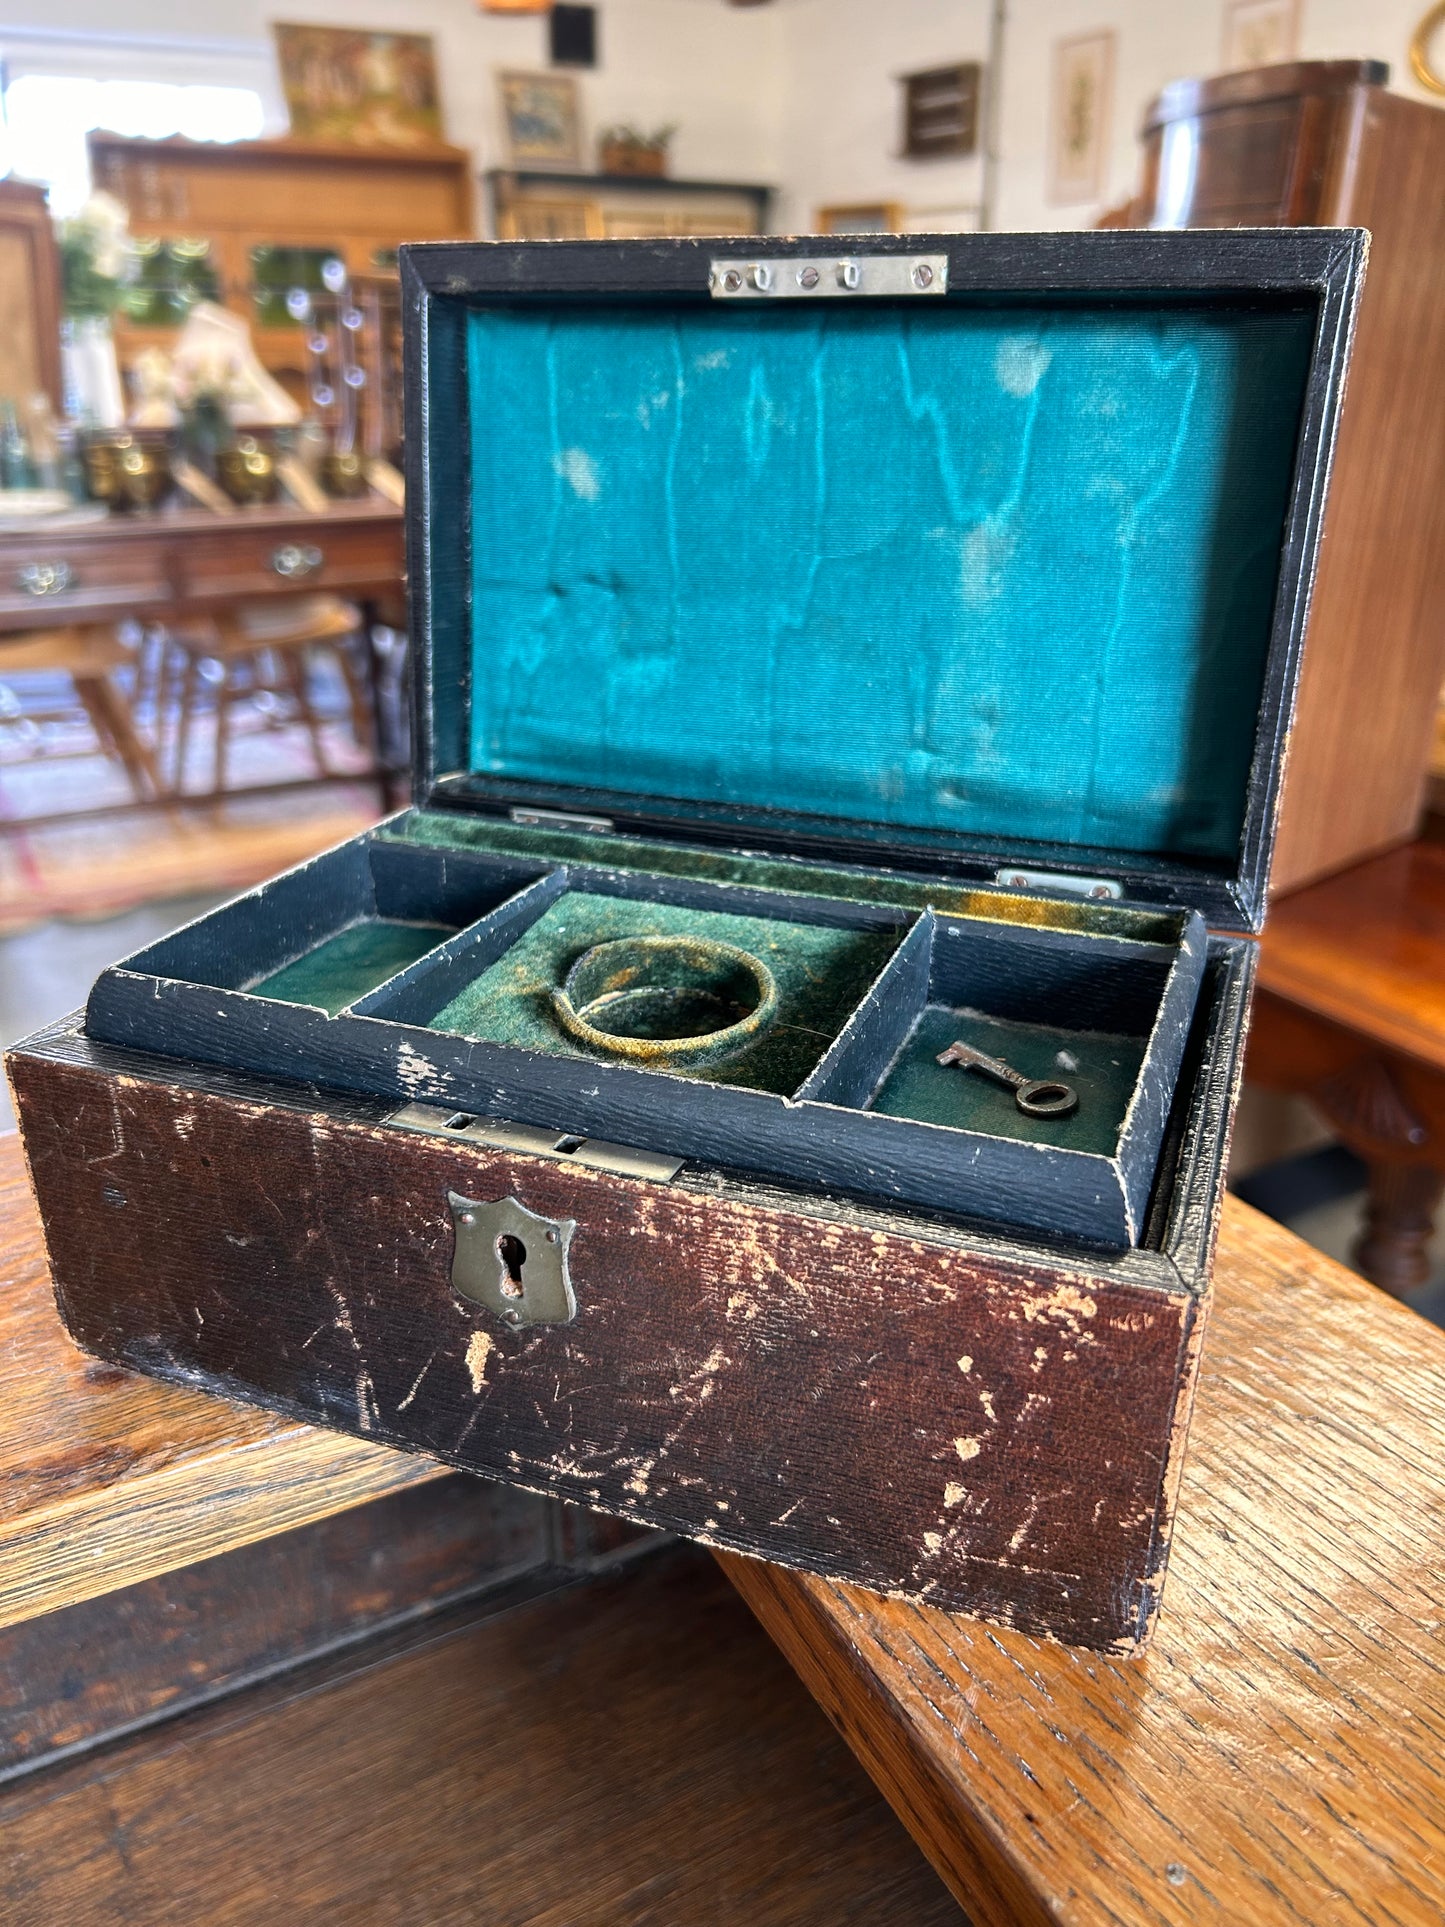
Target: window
[[47, 117]]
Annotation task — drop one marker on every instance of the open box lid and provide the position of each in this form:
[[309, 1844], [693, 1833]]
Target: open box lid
[[972, 554]]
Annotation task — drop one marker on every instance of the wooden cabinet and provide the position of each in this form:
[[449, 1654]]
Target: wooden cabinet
[[246, 197], [533, 206], [1323, 143], [29, 295]]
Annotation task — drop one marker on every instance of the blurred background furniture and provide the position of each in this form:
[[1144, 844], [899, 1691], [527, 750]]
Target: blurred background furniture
[[89, 655], [178, 567], [29, 295], [261, 649], [256, 219], [532, 205], [1323, 143], [1350, 1014]]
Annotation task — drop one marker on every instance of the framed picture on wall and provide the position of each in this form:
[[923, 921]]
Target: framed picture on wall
[[352, 85], [1258, 33], [541, 116], [1081, 112]]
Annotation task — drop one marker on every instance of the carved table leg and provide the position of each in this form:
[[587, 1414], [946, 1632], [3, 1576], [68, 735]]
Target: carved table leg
[[1392, 1251]]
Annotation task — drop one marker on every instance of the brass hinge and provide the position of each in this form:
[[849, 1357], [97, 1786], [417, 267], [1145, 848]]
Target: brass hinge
[[497, 1134]]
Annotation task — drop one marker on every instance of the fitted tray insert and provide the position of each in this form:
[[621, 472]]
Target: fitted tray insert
[[398, 968]]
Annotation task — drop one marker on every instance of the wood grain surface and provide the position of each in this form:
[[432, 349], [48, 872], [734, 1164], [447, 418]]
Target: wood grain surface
[[106, 1479], [80, 1676], [1326, 142], [1366, 949], [632, 1753], [1375, 649], [1278, 1756]]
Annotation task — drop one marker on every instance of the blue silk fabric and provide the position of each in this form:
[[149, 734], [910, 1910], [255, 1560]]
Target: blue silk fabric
[[951, 565]]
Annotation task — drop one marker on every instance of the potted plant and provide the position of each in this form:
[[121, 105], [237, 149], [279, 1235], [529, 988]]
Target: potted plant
[[627, 150]]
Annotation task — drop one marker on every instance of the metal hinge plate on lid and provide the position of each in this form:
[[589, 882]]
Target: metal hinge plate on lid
[[1060, 883], [783, 278], [497, 1134]]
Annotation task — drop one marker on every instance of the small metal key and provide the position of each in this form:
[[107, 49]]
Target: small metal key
[[1035, 1097]]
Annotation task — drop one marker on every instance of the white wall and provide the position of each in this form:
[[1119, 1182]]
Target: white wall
[[842, 124], [713, 69]]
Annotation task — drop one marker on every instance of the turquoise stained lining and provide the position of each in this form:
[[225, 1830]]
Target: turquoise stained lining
[[949, 566]]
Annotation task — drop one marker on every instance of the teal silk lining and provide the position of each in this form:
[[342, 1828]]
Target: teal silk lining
[[950, 566]]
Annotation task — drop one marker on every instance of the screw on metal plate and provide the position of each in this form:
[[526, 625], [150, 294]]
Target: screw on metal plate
[[851, 276], [1061, 883], [512, 1261]]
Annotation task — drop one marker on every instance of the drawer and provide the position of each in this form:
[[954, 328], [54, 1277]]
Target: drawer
[[43, 582], [355, 556]]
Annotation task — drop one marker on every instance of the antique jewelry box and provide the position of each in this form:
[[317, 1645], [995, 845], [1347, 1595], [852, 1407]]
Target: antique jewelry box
[[774, 1084]]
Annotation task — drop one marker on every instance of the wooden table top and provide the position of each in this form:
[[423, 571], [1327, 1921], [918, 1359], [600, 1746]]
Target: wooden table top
[[178, 519], [1277, 1757], [107, 1479], [1366, 949]]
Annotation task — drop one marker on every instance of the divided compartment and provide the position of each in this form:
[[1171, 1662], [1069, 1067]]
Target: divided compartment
[[326, 934], [495, 984], [1108, 1016]]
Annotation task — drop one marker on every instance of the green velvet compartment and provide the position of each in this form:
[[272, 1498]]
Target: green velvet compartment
[[1104, 1070], [351, 963], [821, 974], [956, 565]]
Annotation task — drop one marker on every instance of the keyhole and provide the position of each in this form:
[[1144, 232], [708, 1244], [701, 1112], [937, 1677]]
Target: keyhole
[[513, 1254]]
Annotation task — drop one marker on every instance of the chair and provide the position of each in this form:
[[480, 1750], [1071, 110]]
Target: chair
[[263, 647], [89, 654]]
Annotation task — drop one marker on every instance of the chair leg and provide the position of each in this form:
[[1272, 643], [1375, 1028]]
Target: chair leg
[[363, 721], [84, 687], [224, 695], [139, 762], [115, 729], [190, 690], [293, 664], [1393, 1249]]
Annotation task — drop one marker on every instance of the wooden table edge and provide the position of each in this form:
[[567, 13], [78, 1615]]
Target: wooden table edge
[[969, 1856]]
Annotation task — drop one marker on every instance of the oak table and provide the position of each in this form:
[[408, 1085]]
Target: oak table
[[1277, 1757], [1351, 1015]]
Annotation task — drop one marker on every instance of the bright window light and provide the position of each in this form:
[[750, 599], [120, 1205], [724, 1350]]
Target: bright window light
[[47, 118]]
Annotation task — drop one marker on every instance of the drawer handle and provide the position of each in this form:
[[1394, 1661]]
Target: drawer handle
[[46, 578], [296, 559]]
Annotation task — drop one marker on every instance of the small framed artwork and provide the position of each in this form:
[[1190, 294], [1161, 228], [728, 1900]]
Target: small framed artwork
[[351, 85], [1260, 33], [1080, 117], [860, 217], [542, 120], [940, 111]]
